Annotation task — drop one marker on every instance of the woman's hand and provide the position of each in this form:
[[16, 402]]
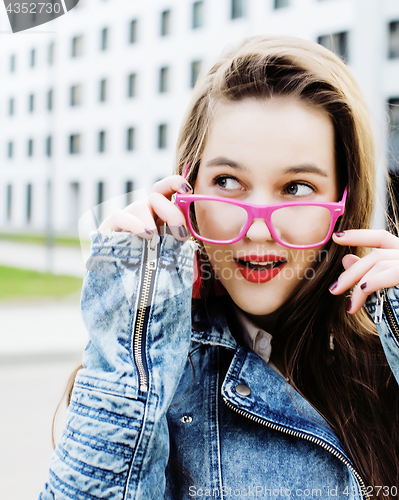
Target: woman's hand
[[144, 217], [379, 269]]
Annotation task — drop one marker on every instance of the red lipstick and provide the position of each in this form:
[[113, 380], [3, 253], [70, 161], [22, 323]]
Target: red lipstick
[[260, 268]]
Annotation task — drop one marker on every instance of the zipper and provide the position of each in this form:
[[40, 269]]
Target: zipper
[[384, 305], [143, 312], [303, 435]]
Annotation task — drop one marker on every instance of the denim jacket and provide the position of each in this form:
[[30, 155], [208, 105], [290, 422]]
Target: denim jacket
[[168, 406]]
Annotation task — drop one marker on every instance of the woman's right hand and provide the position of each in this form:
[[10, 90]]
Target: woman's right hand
[[144, 217]]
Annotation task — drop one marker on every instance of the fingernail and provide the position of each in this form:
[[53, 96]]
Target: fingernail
[[149, 231], [340, 234], [182, 232], [349, 307], [186, 187], [363, 285], [333, 286]]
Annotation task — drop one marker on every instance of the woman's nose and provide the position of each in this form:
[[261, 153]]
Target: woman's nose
[[259, 232]]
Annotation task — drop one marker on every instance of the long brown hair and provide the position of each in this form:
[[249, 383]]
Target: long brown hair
[[352, 385]]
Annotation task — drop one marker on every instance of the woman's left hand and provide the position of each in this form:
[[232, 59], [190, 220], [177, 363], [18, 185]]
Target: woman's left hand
[[379, 269]]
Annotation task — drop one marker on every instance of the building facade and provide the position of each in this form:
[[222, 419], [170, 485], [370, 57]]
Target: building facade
[[91, 103]]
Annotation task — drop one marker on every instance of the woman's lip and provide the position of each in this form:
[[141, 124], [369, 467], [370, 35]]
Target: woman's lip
[[258, 276], [261, 258]]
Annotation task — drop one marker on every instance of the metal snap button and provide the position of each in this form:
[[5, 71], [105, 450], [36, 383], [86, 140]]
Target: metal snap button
[[242, 390], [186, 419]]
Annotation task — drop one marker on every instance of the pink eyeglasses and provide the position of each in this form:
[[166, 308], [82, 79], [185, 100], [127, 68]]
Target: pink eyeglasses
[[294, 224]]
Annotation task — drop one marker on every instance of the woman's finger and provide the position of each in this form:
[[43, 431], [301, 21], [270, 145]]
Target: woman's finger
[[121, 220], [349, 260], [141, 210], [385, 275], [169, 213], [171, 185], [355, 273], [373, 238]]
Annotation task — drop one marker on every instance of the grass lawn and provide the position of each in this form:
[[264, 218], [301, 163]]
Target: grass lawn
[[41, 239], [21, 283]]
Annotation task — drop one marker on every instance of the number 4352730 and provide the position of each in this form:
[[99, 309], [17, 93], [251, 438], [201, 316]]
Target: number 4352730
[[34, 8], [383, 491]]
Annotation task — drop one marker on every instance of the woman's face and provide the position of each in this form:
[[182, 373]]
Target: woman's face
[[262, 152]]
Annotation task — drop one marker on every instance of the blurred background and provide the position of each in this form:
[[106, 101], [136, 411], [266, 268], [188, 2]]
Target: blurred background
[[90, 108]]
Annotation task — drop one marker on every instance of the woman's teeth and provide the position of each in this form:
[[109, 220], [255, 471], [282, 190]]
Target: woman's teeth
[[262, 265]]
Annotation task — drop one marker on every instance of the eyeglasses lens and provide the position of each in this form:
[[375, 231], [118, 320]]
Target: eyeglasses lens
[[302, 225], [299, 225]]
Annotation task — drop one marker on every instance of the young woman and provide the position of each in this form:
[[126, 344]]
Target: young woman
[[277, 374]]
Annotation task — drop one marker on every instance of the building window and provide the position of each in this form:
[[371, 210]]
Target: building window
[[100, 201], [336, 42], [50, 55], [165, 22], [9, 202], [198, 14], [131, 85], [32, 58], [133, 33], [50, 100], [10, 149], [28, 203], [11, 106], [74, 144], [129, 185], [164, 79], [162, 136], [77, 46], [393, 40], [104, 39], [393, 134], [30, 147], [237, 9], [279, 4], [76, 95], [101, 141], [31, 103], [12, 63], [130, 139], [49, 146], [103, 91], [195, 71]]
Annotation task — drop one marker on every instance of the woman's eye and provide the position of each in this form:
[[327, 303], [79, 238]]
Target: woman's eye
[[298, 189], [228, 183]]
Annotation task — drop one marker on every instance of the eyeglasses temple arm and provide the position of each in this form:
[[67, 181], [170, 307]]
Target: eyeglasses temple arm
[[344, 196], [186, 169]]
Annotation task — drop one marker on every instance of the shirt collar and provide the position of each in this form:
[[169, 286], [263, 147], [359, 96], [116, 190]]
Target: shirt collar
[[253, 336]]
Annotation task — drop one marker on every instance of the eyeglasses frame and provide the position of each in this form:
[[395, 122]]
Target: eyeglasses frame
[[336, 208]]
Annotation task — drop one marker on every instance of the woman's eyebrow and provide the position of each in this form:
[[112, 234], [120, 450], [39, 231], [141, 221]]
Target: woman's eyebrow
[[296, 169], [309, 168], [220, 160]]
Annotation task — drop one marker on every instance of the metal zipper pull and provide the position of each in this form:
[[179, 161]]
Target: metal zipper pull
[[379, 306], [152, 252]]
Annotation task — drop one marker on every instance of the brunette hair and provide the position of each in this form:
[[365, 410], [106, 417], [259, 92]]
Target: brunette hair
[[352, 385]]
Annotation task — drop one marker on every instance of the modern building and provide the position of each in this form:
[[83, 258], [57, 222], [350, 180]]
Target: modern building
[[91, 102]]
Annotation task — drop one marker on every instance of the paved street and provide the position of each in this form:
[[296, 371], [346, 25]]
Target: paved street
[[41, 342]]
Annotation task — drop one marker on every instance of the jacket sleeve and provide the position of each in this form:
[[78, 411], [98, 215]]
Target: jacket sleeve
[[136, 305], [388, 329]]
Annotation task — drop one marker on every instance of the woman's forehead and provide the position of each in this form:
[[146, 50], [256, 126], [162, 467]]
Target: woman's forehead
[[282, 132]]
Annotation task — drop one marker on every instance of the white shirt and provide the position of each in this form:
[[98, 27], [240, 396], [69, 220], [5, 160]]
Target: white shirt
[[256, 338]]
